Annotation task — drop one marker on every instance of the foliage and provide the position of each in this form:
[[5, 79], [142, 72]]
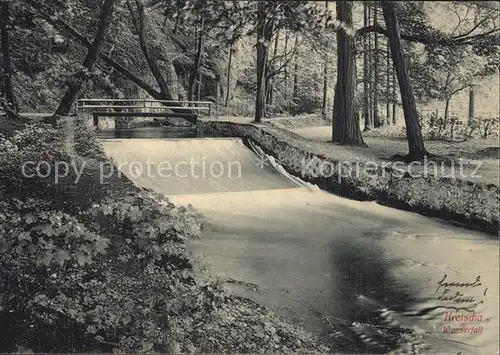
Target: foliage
[[452, 70], [442, 128], [118, 277], [152, 225], [451, 128], [86, 143], [40, 145], [58, 272], [304, 103], [488, 127], [47, 262]]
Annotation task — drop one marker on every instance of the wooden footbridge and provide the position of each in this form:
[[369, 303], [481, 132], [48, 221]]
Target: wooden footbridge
[[188, 110]]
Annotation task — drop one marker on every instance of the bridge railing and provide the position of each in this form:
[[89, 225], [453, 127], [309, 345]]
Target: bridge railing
[[140, 105]]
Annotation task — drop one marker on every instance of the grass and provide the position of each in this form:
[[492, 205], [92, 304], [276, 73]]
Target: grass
[[381, 149]]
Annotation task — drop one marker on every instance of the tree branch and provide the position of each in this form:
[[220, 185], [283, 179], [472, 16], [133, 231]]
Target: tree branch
[[459, 89], [284, 64], [473, 28], [139, 21], [65, 27], [425, 39]]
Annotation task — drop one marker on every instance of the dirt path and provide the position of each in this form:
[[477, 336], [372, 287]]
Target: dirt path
[[482, 154]]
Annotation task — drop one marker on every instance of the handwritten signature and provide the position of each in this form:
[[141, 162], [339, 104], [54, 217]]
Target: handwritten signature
[[446, 293]]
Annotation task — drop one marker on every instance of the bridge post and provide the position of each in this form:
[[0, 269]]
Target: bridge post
[[95, 119], [217, 79], [75, 108]]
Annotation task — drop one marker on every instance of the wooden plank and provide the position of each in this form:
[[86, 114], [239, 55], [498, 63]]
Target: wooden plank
[[107, 106], [142, 107], [150, 101], [144, 114]]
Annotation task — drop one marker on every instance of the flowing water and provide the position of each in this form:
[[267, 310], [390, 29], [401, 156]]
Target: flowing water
[[361, 271]]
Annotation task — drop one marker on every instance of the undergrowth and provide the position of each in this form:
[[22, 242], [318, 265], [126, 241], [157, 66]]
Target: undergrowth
[[86, 143]]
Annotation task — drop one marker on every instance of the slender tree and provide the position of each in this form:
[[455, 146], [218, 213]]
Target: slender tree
[[388, 84], [346, 128], [285, 67], [394, 96], [296, 69], [166, 87], [265, 26], [270, 81], [376, 72], [195, 70], [229, 62], [10, 106], [325, 78], [77, 80], [370, 68], [413, 130], [366, 72], [471, 117]]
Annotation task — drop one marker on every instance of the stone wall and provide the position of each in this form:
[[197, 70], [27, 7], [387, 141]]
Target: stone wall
[[471, 204]]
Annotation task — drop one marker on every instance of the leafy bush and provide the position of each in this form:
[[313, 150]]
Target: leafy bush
[[86, 143], [238, 107], [47, 259], [436, 127], [451, 128], [303, 104], [64, 287], [38, 144], [9, 126], [153, 226], [488, 127]]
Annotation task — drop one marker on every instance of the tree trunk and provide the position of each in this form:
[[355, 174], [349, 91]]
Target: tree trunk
[[261, 83], [325, 79], [65, 27], [387, 85], [267, 77], [285, 69], [296, 69], [471, 117], [195, 70], [376, 115], [446, 108], [413, 130], [78, 79], [140, 23], [7, 87], [264, 33], [271, 81], [370, 69], [366, 72], [394, 95], [228, 89], [325, 90], [199, 85], [346, 128]]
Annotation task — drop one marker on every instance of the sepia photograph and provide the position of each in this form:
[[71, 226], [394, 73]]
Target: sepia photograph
[[249, 177]]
